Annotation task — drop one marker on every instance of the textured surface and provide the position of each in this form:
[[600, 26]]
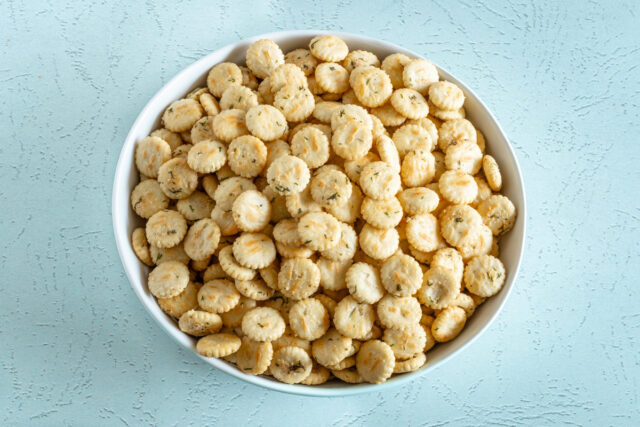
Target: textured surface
[[76, 345]]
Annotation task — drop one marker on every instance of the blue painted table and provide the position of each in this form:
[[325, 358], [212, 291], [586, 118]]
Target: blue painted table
[[76, 346]]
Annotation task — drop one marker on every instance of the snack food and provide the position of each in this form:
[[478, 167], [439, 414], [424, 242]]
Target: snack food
[[320, 212]]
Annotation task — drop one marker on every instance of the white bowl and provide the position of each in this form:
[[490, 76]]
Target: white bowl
[[126, 177]]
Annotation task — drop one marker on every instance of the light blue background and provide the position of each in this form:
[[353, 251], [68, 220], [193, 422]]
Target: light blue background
[[76, 346]]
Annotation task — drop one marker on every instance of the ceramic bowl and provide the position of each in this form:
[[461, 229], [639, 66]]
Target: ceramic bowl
[[126, 177]]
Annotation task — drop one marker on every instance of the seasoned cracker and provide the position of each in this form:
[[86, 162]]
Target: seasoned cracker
[[455, 132], [298, 278], [209, 104], [406, 343], [181, 151], [229, 189], [409, 138], [448, 324], [419, 74], [348, 212], [332, 77], [171, 138], [214, 271], [232, 267], [218, 345], [199, 323], [295, 102], [175, 253], [181, 115], [247, 156], [323, 111], [394, 65], [359, 58], [330, 187], [319, 231], [378, 243], [331, 348], [166, 228], [353, 168], [311, 145], [401, 275], [223, 76], [269, 275], [201, 264], [429, 125], [264, 92], [364, 283], [178, 305], [333, 273], [410, 365], [465, 157], [439, 164], [388, 115], [230, 124], [195, 206], [348, 114], [286, 231], [150, 154], [168, 279], [254, 357], [484, 275], [446, 95], [418, 200], [251, 211], [233, 317], [319, 375], [238, 97], [350, 376], [439, 289], [275, 149], [381, 213], [371, 85], [459, 224], [492, 172], [218, 296], [177, 180], [254, 250], [375, 361], [303, 59], [379, 181], [346, 363], [498, 213], [141, 246], [446, 115], [309, 319], [458, 187], [263, 57], [263, 324], [224, 219], [328, 48], [353, 319], [388, 152], [147, 198], [285, 75], [398, 312], [346, 247], [418, 168], [450, 259], [409, 103], [202, 239], [291, 365], [423, 232], [288, 174], [202, 130]]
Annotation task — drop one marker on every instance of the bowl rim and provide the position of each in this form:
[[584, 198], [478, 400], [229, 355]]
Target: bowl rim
[[299, 389]]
